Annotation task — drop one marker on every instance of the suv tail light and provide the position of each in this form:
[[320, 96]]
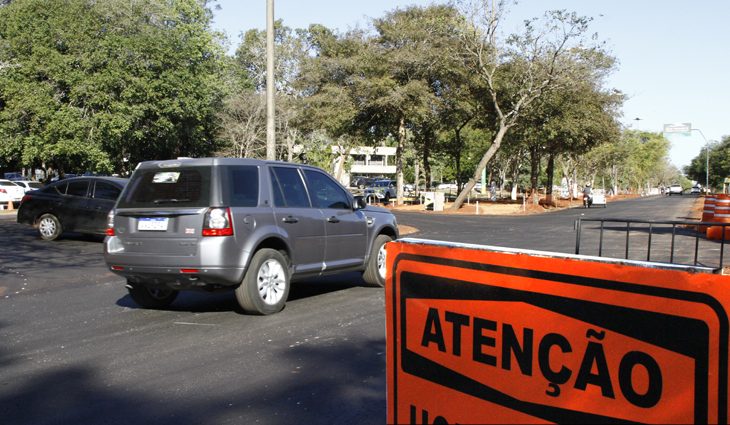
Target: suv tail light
[[217, 222], [110, 224]]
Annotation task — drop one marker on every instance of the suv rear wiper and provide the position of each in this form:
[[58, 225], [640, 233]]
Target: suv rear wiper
[[169, 201]]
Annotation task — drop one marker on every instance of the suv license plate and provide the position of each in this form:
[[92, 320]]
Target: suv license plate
[[152, 223]]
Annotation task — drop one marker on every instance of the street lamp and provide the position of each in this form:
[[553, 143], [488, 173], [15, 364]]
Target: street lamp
[[686, 128]]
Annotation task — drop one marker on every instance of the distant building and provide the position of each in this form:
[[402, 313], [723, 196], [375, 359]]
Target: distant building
[[367, 161]]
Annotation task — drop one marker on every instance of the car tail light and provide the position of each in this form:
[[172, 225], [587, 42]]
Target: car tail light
[[3, 191], [217, 222], [110, 224], [25, 198]]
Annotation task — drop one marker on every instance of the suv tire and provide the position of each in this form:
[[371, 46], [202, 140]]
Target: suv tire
[[151, 297], [374, 274], [49, 227], [265, 286]]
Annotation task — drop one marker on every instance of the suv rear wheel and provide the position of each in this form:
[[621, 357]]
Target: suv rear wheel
[[374, 274], [151, 297], [265, 286]]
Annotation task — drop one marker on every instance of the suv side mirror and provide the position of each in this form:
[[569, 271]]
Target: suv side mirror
[[360, 202]]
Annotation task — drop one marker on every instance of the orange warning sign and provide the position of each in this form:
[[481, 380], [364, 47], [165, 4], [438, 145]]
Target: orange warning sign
[[489, 335]]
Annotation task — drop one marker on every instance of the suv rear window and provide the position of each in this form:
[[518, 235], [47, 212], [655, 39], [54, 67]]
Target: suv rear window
[[180, 187]]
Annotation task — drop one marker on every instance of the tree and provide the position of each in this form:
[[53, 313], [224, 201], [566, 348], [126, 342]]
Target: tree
[[521, 68], [97, 85], [571, 121], [719, 159]]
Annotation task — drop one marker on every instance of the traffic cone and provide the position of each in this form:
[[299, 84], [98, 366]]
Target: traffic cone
[[10, 205]]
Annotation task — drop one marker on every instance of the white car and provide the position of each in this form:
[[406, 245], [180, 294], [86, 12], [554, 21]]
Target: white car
[[599, 197], [675, 189], [10, 192], [447, 186], [28, 185]]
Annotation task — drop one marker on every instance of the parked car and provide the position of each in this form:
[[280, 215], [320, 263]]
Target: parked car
[[28, 185], [675, 189], [361, 182], [10, 192], [13, 175], [447, 186], [79, 204], [695, 190], [245, 225], [380, 191]]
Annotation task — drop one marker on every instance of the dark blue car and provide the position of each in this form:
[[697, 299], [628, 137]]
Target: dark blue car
[[79, 204]]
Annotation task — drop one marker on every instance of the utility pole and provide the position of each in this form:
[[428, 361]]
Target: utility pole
[[707, 160], [270, 89]]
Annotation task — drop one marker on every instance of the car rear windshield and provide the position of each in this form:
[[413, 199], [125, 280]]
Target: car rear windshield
[[178, 187]]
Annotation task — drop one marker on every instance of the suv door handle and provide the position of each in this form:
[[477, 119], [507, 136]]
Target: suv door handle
[[290, 219], [333, 219]]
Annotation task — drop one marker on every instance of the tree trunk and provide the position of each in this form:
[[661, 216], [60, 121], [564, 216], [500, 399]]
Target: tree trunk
[[534, 174], [399, 160], [426, 163], [488, 155], [549, 187], [457, 156]]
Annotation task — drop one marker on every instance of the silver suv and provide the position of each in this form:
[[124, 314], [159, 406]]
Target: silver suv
[[242, 224], [380, 190]]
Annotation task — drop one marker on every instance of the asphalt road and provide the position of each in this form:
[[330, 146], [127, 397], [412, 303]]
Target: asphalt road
[[74, 348]]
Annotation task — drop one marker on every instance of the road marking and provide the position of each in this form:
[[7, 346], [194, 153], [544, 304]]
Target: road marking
[[194, 324]]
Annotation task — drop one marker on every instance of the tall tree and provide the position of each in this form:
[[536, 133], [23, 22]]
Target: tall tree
[[96, 85], [520, 68]]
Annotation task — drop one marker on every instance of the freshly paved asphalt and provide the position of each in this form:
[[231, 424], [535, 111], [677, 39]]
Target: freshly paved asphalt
[[74, 349]]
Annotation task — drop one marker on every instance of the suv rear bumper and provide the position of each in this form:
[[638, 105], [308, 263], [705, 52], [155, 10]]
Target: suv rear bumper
[[180, 278]]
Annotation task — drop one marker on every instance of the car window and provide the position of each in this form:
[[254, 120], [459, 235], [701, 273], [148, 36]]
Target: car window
[[242, 185], [35, 185], [7, 184], [325, 192], [59, 188], [181, 187], [78, 188], [104, 190], [288, 188]]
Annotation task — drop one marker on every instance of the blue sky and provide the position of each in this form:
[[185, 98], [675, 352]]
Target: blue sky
[[674, 57]]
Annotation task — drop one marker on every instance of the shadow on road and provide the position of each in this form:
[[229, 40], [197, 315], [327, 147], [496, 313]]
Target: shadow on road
[[207, 302]]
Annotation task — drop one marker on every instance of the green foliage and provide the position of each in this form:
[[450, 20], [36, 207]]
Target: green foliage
[[85, 84], [635, 161], [719, 161]]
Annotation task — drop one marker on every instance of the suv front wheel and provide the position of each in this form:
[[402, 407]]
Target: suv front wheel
[[265, 286], [374, 274]]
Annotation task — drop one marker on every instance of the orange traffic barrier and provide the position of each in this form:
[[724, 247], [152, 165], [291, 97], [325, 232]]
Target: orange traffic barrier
[[478, 334], [708, 211], [721, 215]]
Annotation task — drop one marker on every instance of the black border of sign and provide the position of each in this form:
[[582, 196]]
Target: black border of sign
[[693, 297]]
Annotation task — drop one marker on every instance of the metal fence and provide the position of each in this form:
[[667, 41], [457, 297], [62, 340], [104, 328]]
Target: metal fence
[[674, 242]]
